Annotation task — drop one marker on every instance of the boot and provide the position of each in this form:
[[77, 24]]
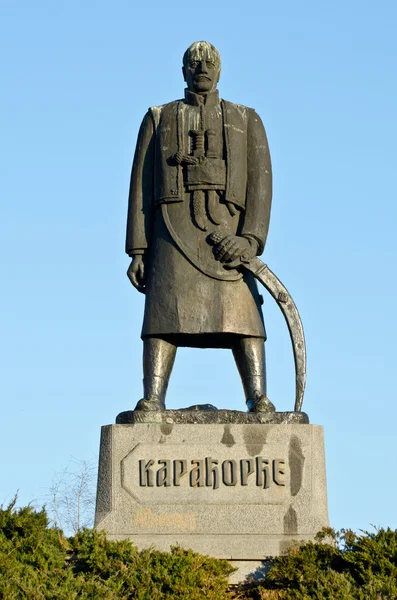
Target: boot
[[153, 404], [260, 404]]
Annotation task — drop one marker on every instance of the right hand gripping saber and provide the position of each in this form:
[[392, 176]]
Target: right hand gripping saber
[[291, 315]]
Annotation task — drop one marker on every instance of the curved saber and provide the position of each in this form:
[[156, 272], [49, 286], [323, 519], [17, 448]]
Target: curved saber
[[291, 315]]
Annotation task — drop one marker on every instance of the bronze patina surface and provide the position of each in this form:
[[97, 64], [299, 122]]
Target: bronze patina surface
[[198, 216]]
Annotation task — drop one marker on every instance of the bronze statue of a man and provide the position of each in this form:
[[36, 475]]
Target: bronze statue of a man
[[199, 205]]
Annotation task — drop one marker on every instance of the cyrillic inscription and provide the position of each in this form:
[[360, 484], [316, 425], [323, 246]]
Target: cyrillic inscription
[[209, 472]]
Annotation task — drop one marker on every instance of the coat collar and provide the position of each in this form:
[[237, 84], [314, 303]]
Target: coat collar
[[210, 99]]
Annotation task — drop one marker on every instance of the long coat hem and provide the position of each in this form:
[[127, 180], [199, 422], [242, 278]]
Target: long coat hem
[[219, 340]]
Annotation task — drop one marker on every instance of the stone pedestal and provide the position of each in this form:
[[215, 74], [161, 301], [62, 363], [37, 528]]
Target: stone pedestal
[[237, 491]]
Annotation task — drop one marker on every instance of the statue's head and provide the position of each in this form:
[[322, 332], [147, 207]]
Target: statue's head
[[201, 67]]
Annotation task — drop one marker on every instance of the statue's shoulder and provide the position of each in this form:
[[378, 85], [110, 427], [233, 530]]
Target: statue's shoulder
[[243, 111], [156, 112], [248, 115], [240, 107]]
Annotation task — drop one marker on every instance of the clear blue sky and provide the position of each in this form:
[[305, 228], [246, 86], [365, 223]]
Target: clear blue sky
[[76, 80]]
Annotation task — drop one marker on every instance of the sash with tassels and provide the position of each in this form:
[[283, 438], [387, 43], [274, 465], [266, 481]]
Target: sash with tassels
[[169, 125]]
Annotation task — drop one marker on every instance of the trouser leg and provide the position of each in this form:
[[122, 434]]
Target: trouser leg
[[249, 354], [158, 360]]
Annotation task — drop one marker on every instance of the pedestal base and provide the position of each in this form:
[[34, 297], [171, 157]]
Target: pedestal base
[[200, 416], [242, 492]]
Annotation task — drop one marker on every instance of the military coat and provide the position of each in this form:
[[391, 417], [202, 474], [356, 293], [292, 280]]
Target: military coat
[[201, 167]]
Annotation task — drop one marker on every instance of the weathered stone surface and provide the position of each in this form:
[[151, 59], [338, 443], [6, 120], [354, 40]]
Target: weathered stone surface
[[209, 416], [236, 491]]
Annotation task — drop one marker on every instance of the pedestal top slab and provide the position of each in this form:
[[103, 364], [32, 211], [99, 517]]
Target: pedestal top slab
[[210, 416]]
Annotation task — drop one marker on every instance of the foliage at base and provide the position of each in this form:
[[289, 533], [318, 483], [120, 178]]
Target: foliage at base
[[337, 566], [37, 562]]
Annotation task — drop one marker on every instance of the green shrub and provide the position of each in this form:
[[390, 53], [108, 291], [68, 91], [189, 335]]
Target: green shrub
[[38, 563], [338, 566], [149, 574]]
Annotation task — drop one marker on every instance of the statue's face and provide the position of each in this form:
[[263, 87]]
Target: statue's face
[[201, 74]]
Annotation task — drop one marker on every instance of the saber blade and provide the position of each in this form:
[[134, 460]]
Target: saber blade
[[291, 315]]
